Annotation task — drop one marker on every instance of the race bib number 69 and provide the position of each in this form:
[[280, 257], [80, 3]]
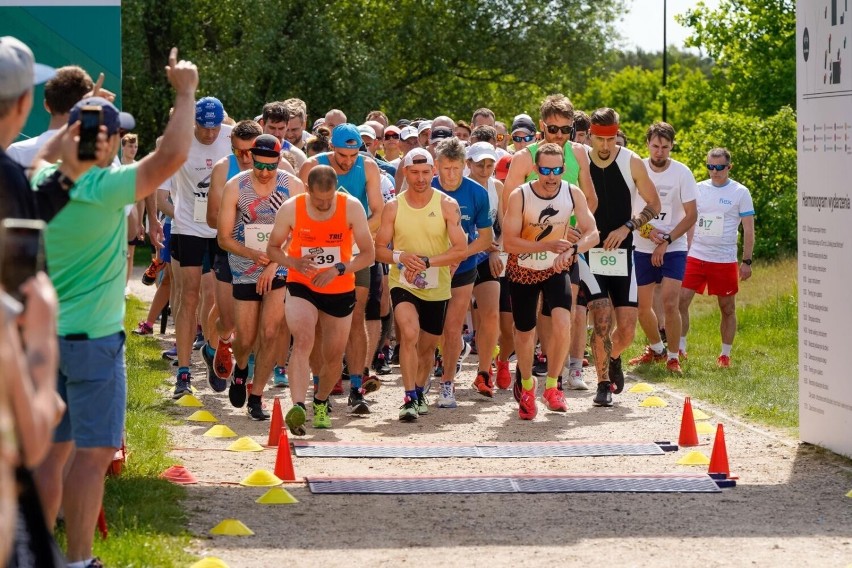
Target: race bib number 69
[[608, 262]]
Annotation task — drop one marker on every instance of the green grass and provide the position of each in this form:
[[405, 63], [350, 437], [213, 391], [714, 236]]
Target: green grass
[[762, 383], [144, 514]]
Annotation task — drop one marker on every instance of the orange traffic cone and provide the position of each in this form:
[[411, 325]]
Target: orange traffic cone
[[719, 457], [688, 434], [284, 461], [179, 474], [275, 424]]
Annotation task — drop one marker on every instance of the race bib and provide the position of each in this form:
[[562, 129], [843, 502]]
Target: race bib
[[199, 209], [608, 262], [324, 256], [355, 249], [710, 225], [504, 258], [665, 214], [257, 236], [423, 280], [537, 260]]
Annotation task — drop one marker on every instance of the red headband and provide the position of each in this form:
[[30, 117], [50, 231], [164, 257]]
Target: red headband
[[604, 131]]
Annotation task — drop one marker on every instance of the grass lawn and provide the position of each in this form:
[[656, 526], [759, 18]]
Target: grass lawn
[[762, 383]]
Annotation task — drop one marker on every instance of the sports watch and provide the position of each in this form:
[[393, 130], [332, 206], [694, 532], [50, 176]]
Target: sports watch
[[747, 261], [667, 237], [341, 268]]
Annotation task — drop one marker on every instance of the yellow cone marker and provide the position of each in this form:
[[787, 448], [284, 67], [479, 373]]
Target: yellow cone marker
[[641, 388], [220, 431], [189, 400], [245, 444], [276, 496], [654, 402], [231, 527], [849, 494], [210, 562], [694, 458], [705, 428], [697, 414], [262, 478], [201, 416]]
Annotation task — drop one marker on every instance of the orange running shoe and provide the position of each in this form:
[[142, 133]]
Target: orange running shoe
[[724, 361], [504, 376], [223, 360], [673, 366], [648, 356], [527, 408], [554, 400], [482, 384], [150, 274]]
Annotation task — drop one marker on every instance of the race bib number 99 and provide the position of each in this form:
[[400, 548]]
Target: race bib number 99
[[608, 262], [257, 236], [323, 256], [710, 225]]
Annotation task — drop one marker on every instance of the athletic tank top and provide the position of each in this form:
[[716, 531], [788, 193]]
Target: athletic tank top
[[255, 221], [542, 219], [493, 204], [572, 167], [354, 182], [616, 192], [330, 240], [423, 232], [233, 166]]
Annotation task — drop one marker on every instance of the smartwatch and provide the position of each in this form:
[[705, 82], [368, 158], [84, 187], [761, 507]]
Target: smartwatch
[[747, 261], [576, 249], [426, 261], [630, 225], [341, 268], [668, 238]]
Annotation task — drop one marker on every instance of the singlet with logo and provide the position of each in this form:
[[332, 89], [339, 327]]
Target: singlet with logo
[[423, 232], [354, 181], [493, 204], [329, 239], [191, 183], [616, 193], [675, 186], [254, 224], [543, 219], [572, 167], [475, 215], [720, 210]]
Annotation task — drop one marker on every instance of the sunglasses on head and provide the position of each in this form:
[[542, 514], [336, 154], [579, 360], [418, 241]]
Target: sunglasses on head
[[557, 171], [553, 129], [391, 136], [266, 167], [525, 138], [501, 137], [717, 167], [241, 153]]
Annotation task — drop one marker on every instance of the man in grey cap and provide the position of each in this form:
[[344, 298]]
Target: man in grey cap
[[523, 132]]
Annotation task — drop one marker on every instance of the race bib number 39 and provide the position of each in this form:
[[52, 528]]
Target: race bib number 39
[[257, 236], [608, 262], [423, 280], [323, 256], [199, 209], [710, 225], [537, 260]]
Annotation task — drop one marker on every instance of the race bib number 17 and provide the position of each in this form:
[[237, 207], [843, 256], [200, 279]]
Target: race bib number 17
[[710, 225]]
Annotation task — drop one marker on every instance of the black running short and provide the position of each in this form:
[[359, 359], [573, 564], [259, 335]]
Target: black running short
[[248, 292], [463, 278], [431, 314], [190, 250], [373, 310], [556, 292], [335, 305]]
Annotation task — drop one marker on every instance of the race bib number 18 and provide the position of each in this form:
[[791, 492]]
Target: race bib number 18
[[608, 262], [537, 260]]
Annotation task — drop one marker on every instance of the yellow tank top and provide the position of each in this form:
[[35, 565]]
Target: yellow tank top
[[423, 232]]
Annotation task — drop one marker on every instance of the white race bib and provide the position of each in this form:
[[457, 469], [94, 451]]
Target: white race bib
[[257, 236], [324, 256], [537, 260], [199, 210], [504, 258], [608, 262], [423, 280], [710, 225]]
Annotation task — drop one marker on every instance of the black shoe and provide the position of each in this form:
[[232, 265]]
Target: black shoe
[[540, 367], [616, 375], [182, 385], [394, 356], [237, 392], [663, 336], [357, 404], [256, 411], [517, 387], [604, 395], [217, 384], [439, 367], [380, 364]]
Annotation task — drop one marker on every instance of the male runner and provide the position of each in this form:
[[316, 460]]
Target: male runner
[[275, 120]]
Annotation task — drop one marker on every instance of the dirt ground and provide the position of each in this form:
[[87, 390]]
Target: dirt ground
[[788, 509]]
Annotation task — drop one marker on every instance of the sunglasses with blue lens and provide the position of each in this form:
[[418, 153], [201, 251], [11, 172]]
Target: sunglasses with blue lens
[[557, 171], [717, 167], [527, 138], [266, 167]]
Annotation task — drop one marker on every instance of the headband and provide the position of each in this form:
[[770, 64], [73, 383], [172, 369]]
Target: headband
[[604, 131]]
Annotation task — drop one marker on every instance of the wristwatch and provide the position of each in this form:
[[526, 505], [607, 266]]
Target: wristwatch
[[747, 261], [630, 225], [667, 237], [576, 249], [341, 268], [63, 180], [426, 262]]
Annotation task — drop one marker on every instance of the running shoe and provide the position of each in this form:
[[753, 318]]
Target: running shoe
[[380, 364], [554, 400], [408, 411], [540, 366], [251, 366], [256, 411], [338, 387], [422, 404], [482, 384], [673, 366], [439, 367], [237, 392], [603, 397], [150, 274], [681, 355], [216, 383], [447, 398], [473, 349], [170, 354], [223, 360], [663, 336], [394, 355], [462, 356], [144, 328], [199, 341], [648, 356], [321, 417], [723, 361], [279, 377], [616, 375], [182, 385], [527, 408], [370, 383], [504, 376], [575, 380], [518, 386], [356, 403], [295, 420]]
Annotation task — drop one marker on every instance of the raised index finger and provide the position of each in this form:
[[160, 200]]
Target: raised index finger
[[173, 57], [96, 90]]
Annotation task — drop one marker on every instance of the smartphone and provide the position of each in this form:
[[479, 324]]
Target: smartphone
[[21, 253], [91, 118]]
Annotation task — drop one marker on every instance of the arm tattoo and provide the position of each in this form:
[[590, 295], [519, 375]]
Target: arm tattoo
[[646, 215]]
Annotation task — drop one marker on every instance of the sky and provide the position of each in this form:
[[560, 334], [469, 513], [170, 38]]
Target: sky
[[642, 26]]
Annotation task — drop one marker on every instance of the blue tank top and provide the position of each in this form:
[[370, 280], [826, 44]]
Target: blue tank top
[[354, 181], [233, 166], [475, 215]]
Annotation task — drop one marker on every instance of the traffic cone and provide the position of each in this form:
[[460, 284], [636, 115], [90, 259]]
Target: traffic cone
[[688, 434], [284, 461], [719, 456], [179, 474], [275, 424]]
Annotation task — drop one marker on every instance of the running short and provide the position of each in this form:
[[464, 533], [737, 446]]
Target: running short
[[136, 242], [620, 290], [483, 273], [505, 296], [718, 278], [362, 277], [248, 292], [431, 314], [674, 266], [463, 278], [190, 250], [373, 310], [574, 276], [335, 305], [555, 292]]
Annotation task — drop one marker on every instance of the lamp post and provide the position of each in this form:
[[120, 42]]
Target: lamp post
[[665, 62]]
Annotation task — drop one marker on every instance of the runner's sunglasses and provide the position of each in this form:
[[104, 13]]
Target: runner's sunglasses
[[527, 138], [553, 129], [717, 167], [266, 167], [557, 171]]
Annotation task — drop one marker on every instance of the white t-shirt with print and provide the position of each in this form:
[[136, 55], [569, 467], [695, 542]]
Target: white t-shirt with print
[[720, 210], [675, 186]]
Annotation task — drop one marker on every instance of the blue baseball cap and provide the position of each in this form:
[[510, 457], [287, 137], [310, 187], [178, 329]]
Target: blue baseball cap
[[346, 136], [209, 112], [113, 118]]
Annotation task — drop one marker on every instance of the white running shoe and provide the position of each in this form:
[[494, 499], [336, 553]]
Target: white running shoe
[[447, 398], [464, 353], [575, 381]]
